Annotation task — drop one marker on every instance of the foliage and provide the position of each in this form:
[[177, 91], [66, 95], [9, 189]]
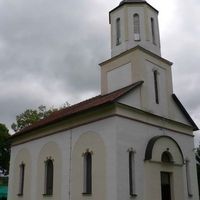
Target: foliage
[[4, 149], [30, 116]]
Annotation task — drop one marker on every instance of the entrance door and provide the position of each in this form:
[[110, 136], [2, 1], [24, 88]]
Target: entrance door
[[165, 186]]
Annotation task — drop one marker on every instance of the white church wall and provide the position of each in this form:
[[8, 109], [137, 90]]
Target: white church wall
[[106, 130], [176, 113], [137, 135], [36, 180], [160, 108], [133, 99], [23, 157], [119, 77], [89, 142], [57, 147]]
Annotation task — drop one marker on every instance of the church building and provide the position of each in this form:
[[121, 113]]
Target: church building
[[133, 141]]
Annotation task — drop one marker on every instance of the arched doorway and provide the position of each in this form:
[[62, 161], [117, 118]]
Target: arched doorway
[[164, 169]]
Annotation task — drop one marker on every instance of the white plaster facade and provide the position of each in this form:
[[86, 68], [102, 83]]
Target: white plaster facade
[[130, 121], [111, 181]]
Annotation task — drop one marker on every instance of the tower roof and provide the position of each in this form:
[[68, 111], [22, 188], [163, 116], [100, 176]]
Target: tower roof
[[131, 1]]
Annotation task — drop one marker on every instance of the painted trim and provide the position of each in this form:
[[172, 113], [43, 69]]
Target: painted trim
[[151, 114], [133, 119], [106, 111], [134, 49], [158, 162], [101, 118]]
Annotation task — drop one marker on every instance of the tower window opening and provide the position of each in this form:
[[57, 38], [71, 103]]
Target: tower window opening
[[155, 75], [87, 179], [118, 32], [136, 27], [153, 31]]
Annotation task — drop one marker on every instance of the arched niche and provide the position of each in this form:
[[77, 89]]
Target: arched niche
[[49, 152], [164, 149], [89, 143], [23, 158]]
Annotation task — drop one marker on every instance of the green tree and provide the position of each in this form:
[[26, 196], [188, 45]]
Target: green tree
[[30, 116], [4, 149]]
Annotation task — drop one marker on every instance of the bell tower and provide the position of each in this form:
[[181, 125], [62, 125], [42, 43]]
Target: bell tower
[[136, 56], [134, 22]]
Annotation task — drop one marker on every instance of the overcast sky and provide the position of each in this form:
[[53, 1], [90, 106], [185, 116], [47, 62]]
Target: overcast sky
[[50, 50]]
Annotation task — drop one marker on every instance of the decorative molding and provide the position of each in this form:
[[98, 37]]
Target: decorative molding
[[87, 151], [49, 158], [131, 150]]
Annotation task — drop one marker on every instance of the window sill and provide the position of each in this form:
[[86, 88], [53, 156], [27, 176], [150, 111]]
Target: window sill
[[47, 195], [86, 194], [190, 195], [133, 195]]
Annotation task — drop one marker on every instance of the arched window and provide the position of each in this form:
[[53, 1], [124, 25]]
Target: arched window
[[155, 76], [87, 179], [132, 173], [136, 27], [48, 177], [166, 157], [153, 30], [21, 179], [118, 31]]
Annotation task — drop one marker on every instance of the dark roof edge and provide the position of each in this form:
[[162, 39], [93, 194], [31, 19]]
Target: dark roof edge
[[34, 128], [184, 111], [152, 141]]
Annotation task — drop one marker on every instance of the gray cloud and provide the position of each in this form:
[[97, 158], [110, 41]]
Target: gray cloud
[[50, 50]]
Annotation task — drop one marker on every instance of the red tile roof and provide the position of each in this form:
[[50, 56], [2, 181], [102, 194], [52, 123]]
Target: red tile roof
[[80, 107]]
